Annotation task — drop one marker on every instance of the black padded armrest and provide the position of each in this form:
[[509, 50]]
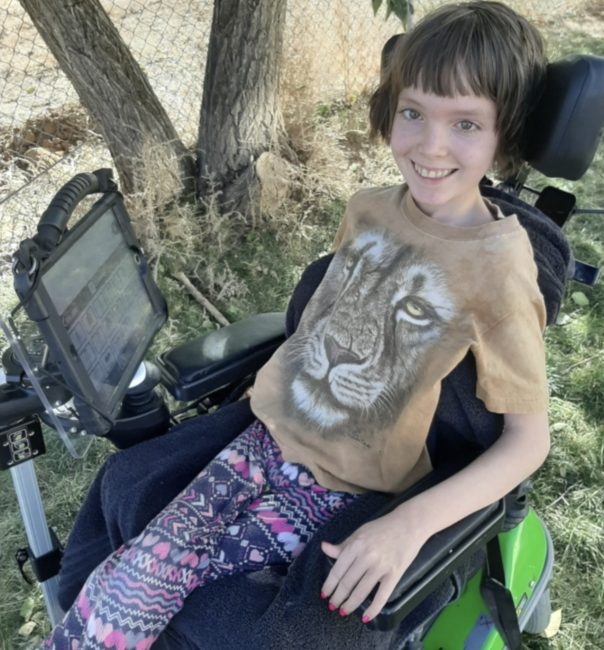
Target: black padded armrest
[[219, 358]]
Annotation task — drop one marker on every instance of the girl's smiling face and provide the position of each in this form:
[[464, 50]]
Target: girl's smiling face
[[443, 146]]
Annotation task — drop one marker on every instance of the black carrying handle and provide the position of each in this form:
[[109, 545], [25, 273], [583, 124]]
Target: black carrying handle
[[53, 222]]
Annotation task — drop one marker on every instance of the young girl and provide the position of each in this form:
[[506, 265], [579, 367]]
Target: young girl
[[423, 272]]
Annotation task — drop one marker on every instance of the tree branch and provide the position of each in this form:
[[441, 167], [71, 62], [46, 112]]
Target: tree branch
[[203, 301]]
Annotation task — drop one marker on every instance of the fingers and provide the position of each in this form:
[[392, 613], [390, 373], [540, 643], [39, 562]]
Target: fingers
[[358, 594], [350, 581], [369, 558], [338, 570], [387, 586], [331, 550], [355, 586]]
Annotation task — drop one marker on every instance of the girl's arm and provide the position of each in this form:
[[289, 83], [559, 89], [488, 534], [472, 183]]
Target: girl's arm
[[381, 550]]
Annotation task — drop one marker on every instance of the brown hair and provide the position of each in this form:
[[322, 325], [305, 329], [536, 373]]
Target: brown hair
[[481, 47]]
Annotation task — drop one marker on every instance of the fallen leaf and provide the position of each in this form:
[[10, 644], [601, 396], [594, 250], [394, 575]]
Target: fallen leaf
[[27, 609], [579, 298], [554, 625], [27, 628]]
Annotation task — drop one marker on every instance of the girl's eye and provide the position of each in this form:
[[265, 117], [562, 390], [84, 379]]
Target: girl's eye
[[410, 114], [466, 125]]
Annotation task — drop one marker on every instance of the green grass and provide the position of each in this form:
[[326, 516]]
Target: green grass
[[569, 488], [63, 485], [245, 270]]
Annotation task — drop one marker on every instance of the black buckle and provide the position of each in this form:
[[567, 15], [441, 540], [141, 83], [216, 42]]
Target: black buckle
[[45, 566], [22, 555]]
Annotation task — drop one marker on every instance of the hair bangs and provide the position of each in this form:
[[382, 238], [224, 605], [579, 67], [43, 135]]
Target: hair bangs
[[462, 64]]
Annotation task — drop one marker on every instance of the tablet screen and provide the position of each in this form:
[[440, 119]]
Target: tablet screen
[[99, 295]]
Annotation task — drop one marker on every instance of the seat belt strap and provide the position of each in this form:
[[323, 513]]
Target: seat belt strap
[[498, 598]]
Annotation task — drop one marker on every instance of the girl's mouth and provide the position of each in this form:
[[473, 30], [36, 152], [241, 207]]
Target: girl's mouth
[[432, 174]]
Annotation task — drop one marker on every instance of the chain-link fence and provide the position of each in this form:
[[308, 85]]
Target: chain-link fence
[[331, 51], [45, 134]]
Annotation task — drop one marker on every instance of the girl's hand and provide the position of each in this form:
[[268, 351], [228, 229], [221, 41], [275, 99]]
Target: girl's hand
[[378, 552], [381, 551]]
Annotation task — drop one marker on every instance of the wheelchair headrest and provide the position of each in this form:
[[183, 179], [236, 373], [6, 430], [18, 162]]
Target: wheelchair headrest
[[563, 131]]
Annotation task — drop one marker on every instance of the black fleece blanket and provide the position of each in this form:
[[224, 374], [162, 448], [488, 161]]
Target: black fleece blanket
[[281, 608]]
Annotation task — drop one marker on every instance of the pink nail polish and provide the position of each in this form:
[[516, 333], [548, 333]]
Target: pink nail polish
[[323, 595], [342, 613], [365, 619], [332, 607]]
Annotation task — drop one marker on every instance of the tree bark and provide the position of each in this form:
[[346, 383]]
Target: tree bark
[[240, 111], [110, 84]]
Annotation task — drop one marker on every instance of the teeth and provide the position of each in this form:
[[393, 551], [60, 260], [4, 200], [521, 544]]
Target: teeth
[[432, 174]]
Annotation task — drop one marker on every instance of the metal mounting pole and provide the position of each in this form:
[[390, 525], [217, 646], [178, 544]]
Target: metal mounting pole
[[38, 537]]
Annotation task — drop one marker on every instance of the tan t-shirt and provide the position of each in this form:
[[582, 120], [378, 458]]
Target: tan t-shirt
[[352, 393]]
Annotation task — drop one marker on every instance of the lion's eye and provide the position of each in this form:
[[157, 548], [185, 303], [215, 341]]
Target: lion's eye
[[414, 309]]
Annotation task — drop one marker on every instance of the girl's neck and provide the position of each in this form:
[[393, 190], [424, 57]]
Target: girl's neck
[[467, 215]]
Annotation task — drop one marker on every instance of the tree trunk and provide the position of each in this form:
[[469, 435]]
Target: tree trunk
[[110, 84], [240, 110]]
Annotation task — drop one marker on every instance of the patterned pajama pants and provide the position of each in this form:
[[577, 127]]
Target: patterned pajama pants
[[247, 510]]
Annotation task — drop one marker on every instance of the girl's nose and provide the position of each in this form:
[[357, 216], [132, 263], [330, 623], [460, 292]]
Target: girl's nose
[[434, 141]]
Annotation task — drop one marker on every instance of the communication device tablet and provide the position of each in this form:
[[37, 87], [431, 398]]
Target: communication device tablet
[[98, 310]]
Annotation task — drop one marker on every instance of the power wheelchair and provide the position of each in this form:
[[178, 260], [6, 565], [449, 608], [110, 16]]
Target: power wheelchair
[[61, 377]]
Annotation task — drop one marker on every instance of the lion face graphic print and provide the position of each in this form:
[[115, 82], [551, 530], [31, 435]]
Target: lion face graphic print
[[352, 364]]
